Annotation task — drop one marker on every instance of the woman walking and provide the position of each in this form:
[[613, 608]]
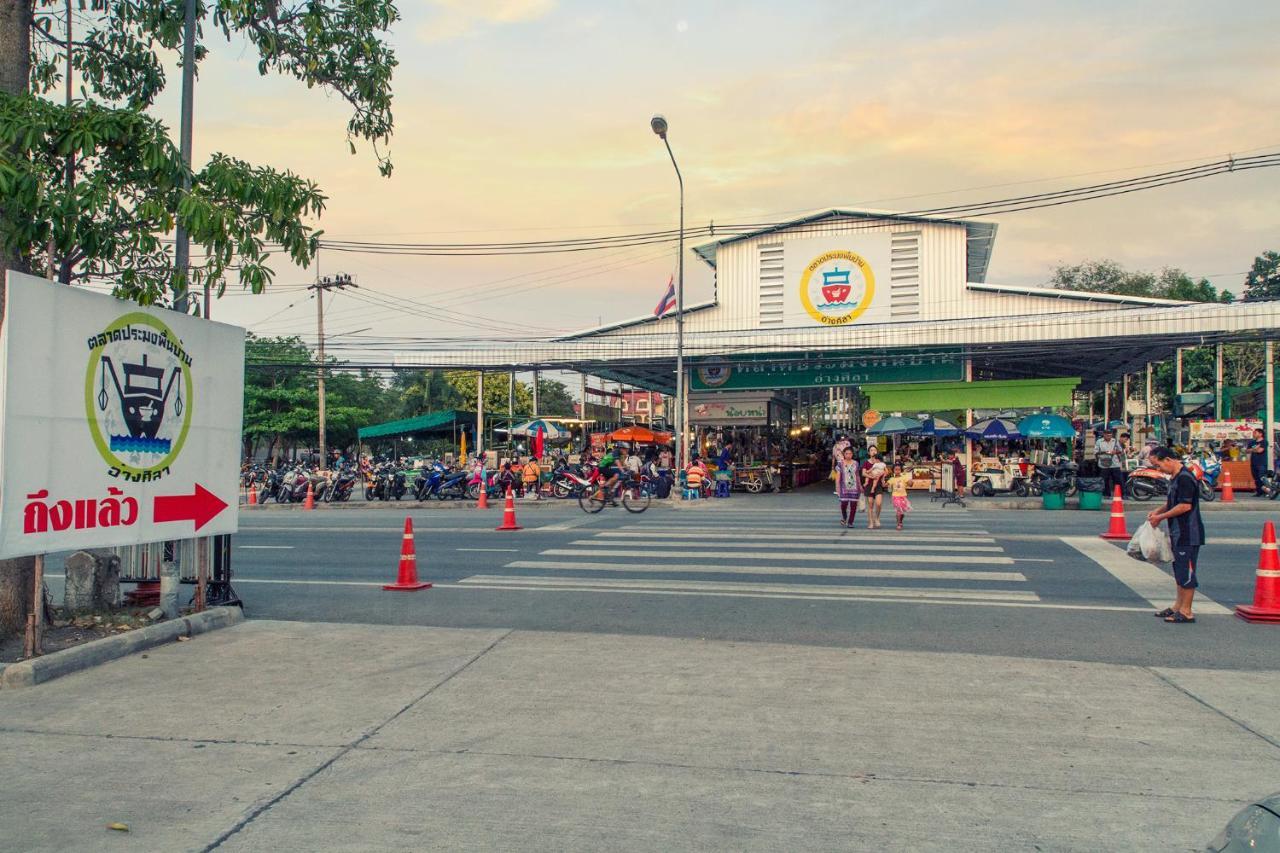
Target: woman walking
[[898, 493], [848, 487], [874, 474]]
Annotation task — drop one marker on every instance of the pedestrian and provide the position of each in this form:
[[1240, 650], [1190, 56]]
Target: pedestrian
[[837, 449], [874, 473], [1186, 532], [694, 476], [1257, 460], [531, 473], [848, 486], [1107, 453], [898, 493], [633, 462]]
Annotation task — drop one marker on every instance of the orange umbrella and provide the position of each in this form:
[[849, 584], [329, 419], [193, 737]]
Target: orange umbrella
[[640, 435]]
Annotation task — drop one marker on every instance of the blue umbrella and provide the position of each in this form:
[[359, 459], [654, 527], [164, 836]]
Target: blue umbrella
[[550, 431], [894, 426], [938, 428], [993, 428], [1046, 426]]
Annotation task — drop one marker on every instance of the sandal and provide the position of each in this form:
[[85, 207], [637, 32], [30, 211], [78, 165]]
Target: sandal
[[1178, 619], [1163, 614]]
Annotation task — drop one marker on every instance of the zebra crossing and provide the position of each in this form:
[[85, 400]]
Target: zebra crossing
[[780, 553]]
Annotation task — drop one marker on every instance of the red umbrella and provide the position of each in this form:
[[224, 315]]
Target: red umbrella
[[537, 443]]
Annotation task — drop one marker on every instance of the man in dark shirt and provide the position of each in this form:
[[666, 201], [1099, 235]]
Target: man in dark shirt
[[1186, 531], [1257, 460]]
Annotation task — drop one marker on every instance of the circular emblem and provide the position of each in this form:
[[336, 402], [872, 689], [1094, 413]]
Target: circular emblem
[[715, 375], [138, 396], [870, 418], [837, 287]]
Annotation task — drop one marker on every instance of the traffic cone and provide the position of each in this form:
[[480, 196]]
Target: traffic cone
[[253, 495], [1117, 529], [483, 501], [1266, 588], [408, 578], [310, 502], [509, 513], [1228, 493]]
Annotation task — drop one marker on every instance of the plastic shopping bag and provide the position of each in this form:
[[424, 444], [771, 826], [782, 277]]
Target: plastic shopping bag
[[1151, 544]]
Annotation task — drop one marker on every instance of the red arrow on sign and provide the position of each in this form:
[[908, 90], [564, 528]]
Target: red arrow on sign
[[201, 506]]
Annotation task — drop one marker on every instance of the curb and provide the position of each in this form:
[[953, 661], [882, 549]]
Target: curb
[[379, 506], [1129, 506], [29, 673]]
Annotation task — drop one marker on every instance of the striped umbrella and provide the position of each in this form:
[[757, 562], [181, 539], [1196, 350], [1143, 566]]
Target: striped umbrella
[[993, 428]]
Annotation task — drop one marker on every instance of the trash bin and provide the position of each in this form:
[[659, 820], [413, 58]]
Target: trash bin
[[1054, 494], [1090, 492]]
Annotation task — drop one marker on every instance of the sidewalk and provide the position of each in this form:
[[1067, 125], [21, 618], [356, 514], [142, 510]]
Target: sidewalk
[[296, 736]]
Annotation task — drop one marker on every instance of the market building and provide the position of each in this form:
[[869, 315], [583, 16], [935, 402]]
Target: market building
[[852, 310]]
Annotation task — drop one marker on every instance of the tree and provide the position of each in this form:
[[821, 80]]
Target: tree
[[279, 393], [127, 182], [554, 399], [495, 393], [420, 391], [1108, 276], [1263, 280]]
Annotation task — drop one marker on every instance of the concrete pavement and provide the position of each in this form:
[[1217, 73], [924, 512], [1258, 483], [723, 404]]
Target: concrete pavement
[[295, 736]]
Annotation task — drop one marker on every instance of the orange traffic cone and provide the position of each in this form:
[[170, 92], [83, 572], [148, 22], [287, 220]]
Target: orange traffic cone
[[1228, 493], [1117, 529], [483, 501], [1266, 589], [509, 513], [310, 502], [253, 495], [408, 578]]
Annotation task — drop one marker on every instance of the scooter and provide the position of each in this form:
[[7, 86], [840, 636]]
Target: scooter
[[344, 483], [1147, 483], [429, 482], [990, 481], [569, 483]]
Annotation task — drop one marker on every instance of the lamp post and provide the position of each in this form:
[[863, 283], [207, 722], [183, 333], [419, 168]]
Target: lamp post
[[659, 126]]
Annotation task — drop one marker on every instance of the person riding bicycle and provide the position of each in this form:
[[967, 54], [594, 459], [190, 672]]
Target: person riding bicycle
[[609, 472]]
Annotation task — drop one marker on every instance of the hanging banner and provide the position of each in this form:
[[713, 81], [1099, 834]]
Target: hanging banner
[[838, 280], [119, 424]]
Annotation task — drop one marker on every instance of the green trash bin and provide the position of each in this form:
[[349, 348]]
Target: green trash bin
[[1054, 500], [1091, 500]]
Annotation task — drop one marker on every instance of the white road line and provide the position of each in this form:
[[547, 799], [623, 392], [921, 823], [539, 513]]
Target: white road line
[[265, 547], [817, 571], [786, 597], [1143, 578], [492, 550], [854, 536], [237, 579], [840, 591], [571, 523], [797, 528], [852, 542], [675, 551]]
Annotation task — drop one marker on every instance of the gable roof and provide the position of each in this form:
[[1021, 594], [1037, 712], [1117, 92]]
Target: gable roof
[[981, 236]]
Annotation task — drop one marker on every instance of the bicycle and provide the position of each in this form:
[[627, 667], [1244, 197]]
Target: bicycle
[[634, 497]]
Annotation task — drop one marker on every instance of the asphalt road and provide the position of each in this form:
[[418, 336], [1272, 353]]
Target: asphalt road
[[774, 568]]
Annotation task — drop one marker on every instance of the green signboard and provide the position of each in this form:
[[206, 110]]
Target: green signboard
[[787, 371]]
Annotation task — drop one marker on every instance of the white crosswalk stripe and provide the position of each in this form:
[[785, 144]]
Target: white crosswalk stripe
[[796, 556]]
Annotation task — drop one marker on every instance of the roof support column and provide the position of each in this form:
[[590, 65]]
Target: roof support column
[[1270, 417], [1217, 384], [479, 411], [968, 422]]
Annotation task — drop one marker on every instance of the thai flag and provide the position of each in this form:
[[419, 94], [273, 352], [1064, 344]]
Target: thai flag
[[668, 299]]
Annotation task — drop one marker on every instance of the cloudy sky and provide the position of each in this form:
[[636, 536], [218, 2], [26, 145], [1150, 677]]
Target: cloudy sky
[[528, 119]]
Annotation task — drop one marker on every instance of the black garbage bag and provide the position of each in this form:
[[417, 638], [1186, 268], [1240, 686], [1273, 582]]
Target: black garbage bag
[[1051, 486], [1090, 484]]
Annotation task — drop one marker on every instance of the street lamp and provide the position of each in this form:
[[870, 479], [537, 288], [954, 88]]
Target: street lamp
[[659, 126]]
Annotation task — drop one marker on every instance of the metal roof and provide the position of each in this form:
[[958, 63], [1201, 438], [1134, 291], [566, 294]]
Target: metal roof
[[636, 321], [981, 236], [1078, 295]]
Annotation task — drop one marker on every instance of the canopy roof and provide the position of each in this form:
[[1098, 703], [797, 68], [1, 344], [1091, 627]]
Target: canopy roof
[[430, 422]]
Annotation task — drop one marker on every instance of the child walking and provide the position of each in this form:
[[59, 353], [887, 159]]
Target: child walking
[[848, 486], [898, 491]]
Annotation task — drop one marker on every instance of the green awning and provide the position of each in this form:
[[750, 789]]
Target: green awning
[[943, 396], [432, 422]]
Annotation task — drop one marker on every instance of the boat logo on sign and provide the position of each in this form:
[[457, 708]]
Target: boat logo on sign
[[715, 375], [138, 396], [837, 287]]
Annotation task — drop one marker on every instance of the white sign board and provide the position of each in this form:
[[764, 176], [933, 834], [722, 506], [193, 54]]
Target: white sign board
[[837, 280], [1239, 431], [119, 424]]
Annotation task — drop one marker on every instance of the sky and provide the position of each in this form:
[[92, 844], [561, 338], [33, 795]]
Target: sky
[[528, 119]]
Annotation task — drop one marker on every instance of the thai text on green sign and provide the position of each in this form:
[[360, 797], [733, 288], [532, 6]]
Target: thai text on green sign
[[789, 372]]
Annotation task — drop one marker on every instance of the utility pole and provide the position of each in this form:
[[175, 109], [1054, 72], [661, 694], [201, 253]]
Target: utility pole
[[182, 247], [337, 282], [1217, 384], [537, 410]]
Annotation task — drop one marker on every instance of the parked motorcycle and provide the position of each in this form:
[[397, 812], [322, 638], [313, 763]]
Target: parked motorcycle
[[428, 483], [343, 484]]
